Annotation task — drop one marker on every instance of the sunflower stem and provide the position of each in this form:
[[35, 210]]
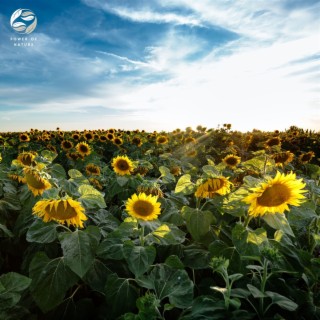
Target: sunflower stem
[[247, 220], [64, 227], [142, 235]]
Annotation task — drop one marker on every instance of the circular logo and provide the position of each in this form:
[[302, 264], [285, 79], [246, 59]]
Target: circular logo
[[23, 21]]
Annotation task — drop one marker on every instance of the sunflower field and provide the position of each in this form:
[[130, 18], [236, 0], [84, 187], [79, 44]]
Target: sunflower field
[[191, 224]]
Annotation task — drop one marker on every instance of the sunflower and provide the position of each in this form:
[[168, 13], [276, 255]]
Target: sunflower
[[231, 160], [212, 187], [35, 183], [274, 195], [190, 140], [24, 137], [88, 136], [117, 141], [282, 158], [103, 138], [110, 136], [26, 158], [143, 207], [66, 145], [75, 136], [83, 148], [162, 139], [137, 141], [92, 169], [68, 210], [96, 183], [122, 165], [306, 157], [16, 177], [175, 170], [150, 188], [274, 141], [191, 153]]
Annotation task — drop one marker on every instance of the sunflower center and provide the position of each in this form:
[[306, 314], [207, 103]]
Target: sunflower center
[[274, 196], [62, 211], [122, 165], [34, 181], [143, 208], [231, 161], [26, 159], [83, 148]]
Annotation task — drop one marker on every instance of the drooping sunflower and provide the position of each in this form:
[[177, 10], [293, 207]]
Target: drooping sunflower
[[282, 158], [143, 207], [122, 165], [26, 158], [63, 211], [306, 157], [92, 169], [35, 182], [274, 195], [83, 148], [66, 145], [213, 186], [231, 160]]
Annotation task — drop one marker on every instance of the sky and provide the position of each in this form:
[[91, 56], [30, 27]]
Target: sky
[[161, 65]]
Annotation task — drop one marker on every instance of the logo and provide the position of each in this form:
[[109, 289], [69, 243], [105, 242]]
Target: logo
[[23, 21]]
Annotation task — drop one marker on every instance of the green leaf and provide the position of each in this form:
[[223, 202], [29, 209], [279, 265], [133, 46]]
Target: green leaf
[[5, 232], [57, 171], [195, 257], [165, 234], [210, 170], [93, 201], [174, 262], [139, 258], [120, 294], [49, 155], [78, 250], [184, 185], [278, 221], [166, 176], [198, 222], [12, 284], [282, 301], [111, 248], [77, 177], [42, 232], [97, 275], [168, 282], [122, 181], [255, 291], [50, 280]]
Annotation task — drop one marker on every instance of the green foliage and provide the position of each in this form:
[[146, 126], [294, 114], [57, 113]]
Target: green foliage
[[200, 259]]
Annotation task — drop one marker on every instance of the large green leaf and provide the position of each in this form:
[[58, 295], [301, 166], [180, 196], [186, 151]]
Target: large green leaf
[[169, 282], [42, 232], [139, 258], [184, 185], [166, 176], [50, 280], [198, 222], [111, 248], [120, 294], [57, 171], [78, 250], [278, 221], [165, 234], [12, 284]]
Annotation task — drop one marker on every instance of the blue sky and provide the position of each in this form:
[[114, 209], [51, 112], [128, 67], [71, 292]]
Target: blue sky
[[162, 64]]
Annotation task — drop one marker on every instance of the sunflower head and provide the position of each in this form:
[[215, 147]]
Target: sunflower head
[[63, 211], [26, 158], [92, 169], [282, 158], [175, 170], [24, 137], [136, 141], [88, 136], [213, 187], [274, 195], [306, 157], [274, 141], [103, 138], [35, 182], [83, 149], [143, 207], [231, 160], [150, 188], [66, 145], [96, 183], [162, 139], [117, 141], [122, 165]]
